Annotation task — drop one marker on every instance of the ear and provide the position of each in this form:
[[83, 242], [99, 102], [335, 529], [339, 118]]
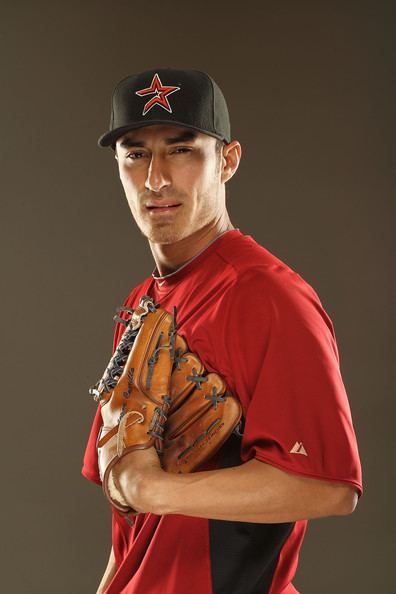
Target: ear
[[230, 160]]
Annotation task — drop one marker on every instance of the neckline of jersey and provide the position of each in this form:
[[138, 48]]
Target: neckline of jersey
[[165, 282]]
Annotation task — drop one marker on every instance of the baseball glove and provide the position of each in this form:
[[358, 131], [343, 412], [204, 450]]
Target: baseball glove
[[154, 392]]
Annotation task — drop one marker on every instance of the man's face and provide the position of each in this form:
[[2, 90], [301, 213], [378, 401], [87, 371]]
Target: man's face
[[172, 180]]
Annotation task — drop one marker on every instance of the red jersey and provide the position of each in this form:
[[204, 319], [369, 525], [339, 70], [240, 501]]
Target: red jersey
[[257, 323]]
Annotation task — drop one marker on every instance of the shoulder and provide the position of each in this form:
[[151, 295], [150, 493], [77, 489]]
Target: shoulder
[[136, 293], [264, 287], [258, 272], [242, 252]]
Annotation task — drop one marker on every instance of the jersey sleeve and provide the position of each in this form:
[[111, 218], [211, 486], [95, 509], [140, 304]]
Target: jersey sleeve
[[282, 362]]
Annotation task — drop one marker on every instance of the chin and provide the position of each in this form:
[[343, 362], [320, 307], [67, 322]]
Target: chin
[[164, 236]]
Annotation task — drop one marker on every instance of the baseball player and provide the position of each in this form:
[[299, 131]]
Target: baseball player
[[236, 524]]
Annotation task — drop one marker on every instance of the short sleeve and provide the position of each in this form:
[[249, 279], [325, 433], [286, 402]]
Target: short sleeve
[[282, 362]]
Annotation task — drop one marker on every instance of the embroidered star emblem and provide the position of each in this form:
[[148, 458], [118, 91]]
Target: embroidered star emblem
[[160, 93]]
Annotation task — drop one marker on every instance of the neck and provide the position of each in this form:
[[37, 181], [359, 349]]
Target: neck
[[170, 257]]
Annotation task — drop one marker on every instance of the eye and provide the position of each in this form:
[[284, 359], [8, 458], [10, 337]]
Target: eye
[[135, 155], [182, 149]]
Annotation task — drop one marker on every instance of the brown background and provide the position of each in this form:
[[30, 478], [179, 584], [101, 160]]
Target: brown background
[[310, 91]]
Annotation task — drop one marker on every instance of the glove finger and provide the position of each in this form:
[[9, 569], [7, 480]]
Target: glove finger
[[186, 376], [195, 432]]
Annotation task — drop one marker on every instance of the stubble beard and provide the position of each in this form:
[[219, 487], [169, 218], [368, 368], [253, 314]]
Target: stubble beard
[[164, 234], [167, 231]]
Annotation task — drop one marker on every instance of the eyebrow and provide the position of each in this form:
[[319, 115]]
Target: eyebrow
[[183, 137]]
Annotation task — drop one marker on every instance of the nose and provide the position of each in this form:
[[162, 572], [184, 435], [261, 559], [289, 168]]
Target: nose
[[157, 175]]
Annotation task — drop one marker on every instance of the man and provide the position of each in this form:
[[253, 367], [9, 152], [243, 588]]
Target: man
[[236, 525]]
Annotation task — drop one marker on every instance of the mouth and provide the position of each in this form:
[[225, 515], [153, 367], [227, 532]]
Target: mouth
[[155, 209]]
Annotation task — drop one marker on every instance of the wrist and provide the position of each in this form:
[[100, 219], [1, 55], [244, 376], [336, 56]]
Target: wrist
[[154, 489], [141, 487]]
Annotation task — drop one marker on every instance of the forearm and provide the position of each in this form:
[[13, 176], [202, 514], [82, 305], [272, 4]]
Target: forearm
[[108, 574], [252, 492]]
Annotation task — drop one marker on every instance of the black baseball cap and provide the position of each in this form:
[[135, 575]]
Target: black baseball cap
[[188, 98]]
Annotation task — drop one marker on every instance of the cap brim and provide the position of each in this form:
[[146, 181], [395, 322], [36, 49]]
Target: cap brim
[[111, 137]]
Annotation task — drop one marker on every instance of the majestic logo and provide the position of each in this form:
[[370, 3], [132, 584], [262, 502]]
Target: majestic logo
[[160, 93], [298, 448]]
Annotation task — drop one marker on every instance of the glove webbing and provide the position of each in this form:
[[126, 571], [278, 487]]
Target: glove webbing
[[114, 369]]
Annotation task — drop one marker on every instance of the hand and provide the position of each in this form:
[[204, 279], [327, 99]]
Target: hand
[[135, 474]]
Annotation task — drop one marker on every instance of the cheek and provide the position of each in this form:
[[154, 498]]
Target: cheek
[[209, 177], [129, 182], [199, 175], [208, 168], [130, 189]]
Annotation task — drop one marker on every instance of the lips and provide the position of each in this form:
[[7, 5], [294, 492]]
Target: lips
[[163, 205], [164, 208]]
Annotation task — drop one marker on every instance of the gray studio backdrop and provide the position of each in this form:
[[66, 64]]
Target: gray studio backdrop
[[309, 91]]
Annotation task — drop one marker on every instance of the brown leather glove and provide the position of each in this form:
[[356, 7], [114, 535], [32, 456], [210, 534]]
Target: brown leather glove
[[154, 392]]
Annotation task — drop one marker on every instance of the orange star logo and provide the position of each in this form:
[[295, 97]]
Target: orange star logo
[[161, 95]]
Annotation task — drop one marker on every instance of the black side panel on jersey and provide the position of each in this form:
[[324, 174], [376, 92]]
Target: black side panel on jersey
[[243, 555]]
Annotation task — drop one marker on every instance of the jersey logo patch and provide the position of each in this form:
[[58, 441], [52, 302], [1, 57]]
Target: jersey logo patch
[[298, 448], [161, 93]]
